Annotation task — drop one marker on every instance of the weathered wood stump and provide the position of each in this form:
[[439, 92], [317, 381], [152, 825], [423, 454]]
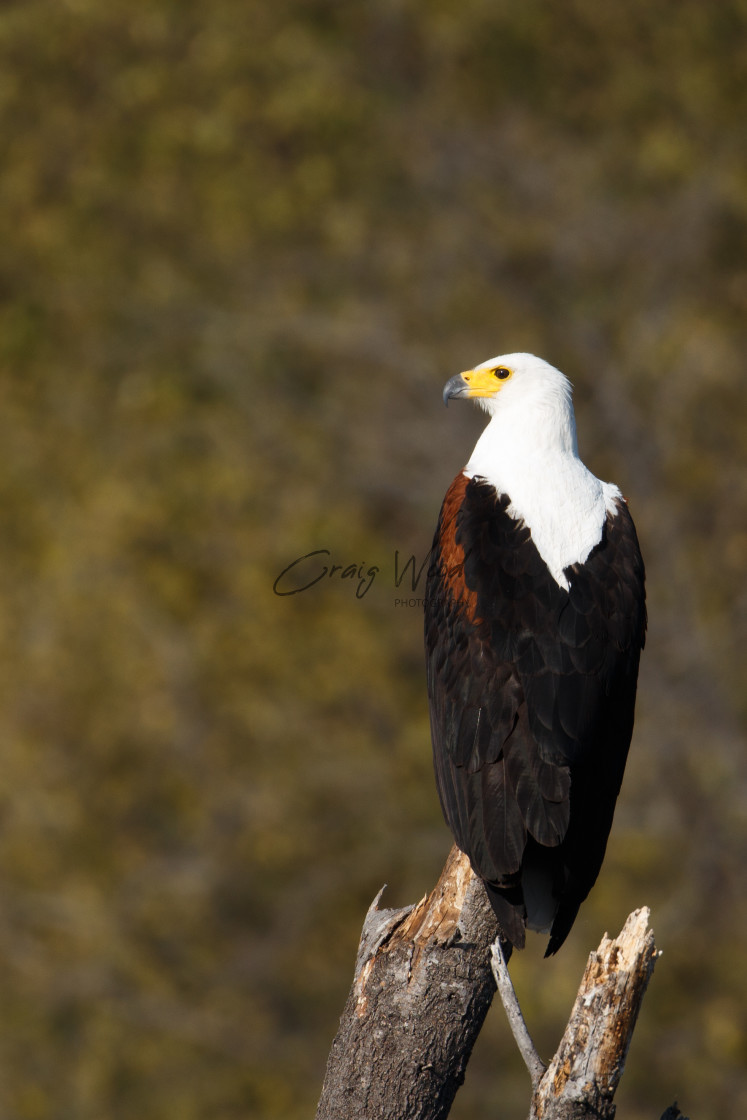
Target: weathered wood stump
[[422, 988]]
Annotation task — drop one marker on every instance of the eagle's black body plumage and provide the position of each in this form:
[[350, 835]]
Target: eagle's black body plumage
[[532, 693]]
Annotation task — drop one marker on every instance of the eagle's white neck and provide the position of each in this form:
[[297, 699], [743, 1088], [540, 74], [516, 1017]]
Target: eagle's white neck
[[529, 452]]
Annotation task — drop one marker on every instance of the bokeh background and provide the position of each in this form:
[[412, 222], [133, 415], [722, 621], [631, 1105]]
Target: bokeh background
[[243, 246]]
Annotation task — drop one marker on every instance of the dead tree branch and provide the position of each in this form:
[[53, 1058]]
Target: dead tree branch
[[581, 1079], [532, 1060], [422, 988]]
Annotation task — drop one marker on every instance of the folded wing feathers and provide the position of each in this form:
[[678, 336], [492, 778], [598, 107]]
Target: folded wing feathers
[[520, 678]]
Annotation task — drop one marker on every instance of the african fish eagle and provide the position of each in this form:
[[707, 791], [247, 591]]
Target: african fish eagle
[[534, 624]]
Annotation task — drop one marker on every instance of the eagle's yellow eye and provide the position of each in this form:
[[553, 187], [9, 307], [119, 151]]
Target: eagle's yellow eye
[[502, 373]]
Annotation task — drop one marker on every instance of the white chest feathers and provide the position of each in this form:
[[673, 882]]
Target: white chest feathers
[[556, 496]]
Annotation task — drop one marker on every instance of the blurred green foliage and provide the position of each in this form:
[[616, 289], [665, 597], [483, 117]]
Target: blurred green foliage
[[243, 246]]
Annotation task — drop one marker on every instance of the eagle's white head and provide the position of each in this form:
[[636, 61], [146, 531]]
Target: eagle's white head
[[530, 398]]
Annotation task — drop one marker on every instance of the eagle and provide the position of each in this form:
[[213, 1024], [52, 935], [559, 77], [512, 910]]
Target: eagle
[[535, 619]]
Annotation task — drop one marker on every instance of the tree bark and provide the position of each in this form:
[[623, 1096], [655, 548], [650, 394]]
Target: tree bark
[[422, 988], [581, 1079]]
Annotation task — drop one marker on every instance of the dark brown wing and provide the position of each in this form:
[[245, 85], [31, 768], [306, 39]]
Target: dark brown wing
[[531, 690]]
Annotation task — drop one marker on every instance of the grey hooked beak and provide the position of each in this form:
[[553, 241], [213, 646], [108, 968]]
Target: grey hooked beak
[[455, 387]]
